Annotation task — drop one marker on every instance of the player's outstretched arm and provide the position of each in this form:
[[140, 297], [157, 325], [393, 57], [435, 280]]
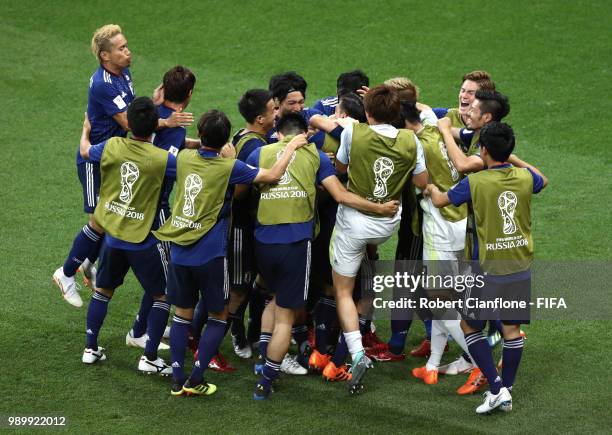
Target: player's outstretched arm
[[177, 119], [438, 199], [275, 173], [463, 163], [516, 161], [343, 196], [324, 123], [85, 144]]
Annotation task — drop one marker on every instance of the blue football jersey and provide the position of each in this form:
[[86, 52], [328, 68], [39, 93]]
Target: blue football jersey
[[109, 94], [327, 106]]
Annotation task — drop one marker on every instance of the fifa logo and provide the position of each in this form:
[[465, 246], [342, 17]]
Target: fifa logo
[[129, 175], [193, 186], [286, 178], [507, 204], [383, 168], [451, 167]]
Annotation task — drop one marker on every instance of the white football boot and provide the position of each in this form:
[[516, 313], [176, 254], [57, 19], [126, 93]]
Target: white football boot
[[68, 287]]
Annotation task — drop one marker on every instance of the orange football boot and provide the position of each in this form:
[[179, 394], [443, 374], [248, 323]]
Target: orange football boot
[[317, 361], [332, 373], [476, 381], [430, 377]]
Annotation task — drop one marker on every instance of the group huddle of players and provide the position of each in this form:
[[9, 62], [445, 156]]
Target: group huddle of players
[[280, 217]]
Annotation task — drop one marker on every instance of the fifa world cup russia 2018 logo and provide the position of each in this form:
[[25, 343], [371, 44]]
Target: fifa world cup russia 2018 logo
[[383, 168], [286, 178], [193, 186], [507, 204], [129, 175]]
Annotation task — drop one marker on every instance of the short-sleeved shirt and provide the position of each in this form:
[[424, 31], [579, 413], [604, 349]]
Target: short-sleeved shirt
[[386, 130], [290, 233], [95, 155], [327, 106], [461, 193], [109, 94], [171, 140], [214, 242]]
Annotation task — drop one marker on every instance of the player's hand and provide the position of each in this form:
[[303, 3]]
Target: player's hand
[[158, 95], [228, 151], [298, 141], [364, 90], [86, 124], [179, 119], [311, 131], [332, 157], [389, 208], [444, 124]]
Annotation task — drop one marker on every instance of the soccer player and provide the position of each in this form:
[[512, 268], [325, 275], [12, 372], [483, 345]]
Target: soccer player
[[289, 92], [500, 199], [380, 159], [198, 233], [470, 83], [258, 110], [177, 87], [110, 92], [133, 172], [347, 82], [443, 236], [284, 230]]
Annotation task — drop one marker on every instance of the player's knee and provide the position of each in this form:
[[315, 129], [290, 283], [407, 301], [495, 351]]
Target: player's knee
[[94, 225], [106, 292], [219, 315], [511, 331], [159, 297]]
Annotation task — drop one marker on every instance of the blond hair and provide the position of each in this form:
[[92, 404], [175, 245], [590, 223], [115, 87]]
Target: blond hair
[[408, 91], [101, 39]]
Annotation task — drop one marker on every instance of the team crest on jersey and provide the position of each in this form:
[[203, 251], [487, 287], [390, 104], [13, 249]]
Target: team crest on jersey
[[383, 168], [507, 202], [129, 175], [286, 178], [193, 186]]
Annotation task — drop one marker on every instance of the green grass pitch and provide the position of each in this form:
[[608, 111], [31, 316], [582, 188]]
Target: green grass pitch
[[553, 59]]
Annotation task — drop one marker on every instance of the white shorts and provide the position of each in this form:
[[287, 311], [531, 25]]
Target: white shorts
[[352, 232], [442, 264]]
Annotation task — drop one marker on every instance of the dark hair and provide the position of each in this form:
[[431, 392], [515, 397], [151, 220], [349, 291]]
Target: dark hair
[[493, 102], [410, 113], [214, 129], [498, 139], [351, 81], [282, 84], [352, 105], [178, 83], [253, 103], [142, 117], [291, 124], [482, 78], [382, 103]]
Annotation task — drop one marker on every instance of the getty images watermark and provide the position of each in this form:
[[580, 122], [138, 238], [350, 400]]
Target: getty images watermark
[[445, 289]]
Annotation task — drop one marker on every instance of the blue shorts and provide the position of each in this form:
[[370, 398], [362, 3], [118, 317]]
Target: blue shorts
[[89, 176], [241, 253], [508, 291], [286, 270], [210, 280], [149, 266]]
